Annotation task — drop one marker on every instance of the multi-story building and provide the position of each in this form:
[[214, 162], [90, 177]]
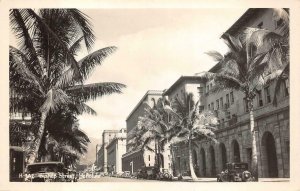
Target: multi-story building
[[100, 158], [233, 135], [107, 136], [115, 149], [133, 160], [183, 86]]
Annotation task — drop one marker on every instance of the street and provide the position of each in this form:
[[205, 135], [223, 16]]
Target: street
[[114, 179], [204, 180]]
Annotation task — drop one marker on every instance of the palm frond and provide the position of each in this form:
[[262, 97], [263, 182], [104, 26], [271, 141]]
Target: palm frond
[[227, 82], [21, 24], [282, 14], [85, 26], [279, 81], [54, 99], [215, 55], [76, 46], [84, 108], [93, 91], [71, 60], [88, 63], [19, 63], [232, 42]]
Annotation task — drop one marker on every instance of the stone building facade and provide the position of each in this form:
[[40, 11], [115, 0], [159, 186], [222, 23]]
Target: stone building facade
[[115, 149], [133, 160], [233, 135], [107, 136]]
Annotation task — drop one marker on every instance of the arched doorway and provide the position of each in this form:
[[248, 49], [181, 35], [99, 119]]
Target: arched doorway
[[223, 155], [203, 162], [269, 155], [213, 161], [236, 151]]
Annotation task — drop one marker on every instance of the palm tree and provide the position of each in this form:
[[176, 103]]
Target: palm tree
[[62, 129], [157, 128], [44, 74], [249, 64], [190, 125]]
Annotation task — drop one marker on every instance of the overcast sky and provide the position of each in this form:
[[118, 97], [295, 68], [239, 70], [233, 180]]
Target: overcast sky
[[155, 48]]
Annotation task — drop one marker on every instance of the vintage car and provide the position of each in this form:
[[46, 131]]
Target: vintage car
[[164, 174], [235, 172], [45, 172], [126, 174], [148, 172], [141, 173]]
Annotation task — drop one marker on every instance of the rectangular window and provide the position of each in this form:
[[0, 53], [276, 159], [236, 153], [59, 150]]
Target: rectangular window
[[201, 108], [200, 90], [227, 99], [149, 157], [259, 99], [217, 103], [267, 94], [208, 106], [221, 103], [231, 97], [212, 106], [246, 105]]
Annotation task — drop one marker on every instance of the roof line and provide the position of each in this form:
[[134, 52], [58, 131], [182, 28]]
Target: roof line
[[149, 92], [180, 79]]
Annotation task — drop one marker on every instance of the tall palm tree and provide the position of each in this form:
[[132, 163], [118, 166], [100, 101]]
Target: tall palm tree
[[62, 128], [250, 63], [190, 125], [277, 41], [44, 74], [157, 128]]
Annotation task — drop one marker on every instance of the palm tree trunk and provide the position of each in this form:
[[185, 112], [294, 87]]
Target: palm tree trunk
[[193, 175], [37, 142], [254, 164]]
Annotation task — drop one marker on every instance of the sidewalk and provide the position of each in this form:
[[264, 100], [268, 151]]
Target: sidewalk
[[189, 179]]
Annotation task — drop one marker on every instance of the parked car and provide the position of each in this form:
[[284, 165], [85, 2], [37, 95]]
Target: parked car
[[126, 174], [164, 175], [141, 174], [45, 172], [235, 172]]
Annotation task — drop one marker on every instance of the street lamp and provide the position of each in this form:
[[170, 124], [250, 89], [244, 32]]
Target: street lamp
[[131, 164]]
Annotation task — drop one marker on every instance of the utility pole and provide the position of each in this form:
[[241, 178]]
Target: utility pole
[[131, 164]]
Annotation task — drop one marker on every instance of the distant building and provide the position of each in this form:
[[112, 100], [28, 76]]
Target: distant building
[[133, 160], [100, 158], [234, 135], [115, 149], [107, 136]]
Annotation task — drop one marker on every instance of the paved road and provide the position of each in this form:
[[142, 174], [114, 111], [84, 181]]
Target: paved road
[[212, 180], [114, 179]]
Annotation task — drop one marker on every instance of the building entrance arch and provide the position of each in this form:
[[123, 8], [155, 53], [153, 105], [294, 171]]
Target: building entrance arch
[[269, 156]]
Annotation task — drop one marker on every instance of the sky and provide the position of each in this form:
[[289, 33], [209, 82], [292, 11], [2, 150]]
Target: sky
[[155, 48]]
